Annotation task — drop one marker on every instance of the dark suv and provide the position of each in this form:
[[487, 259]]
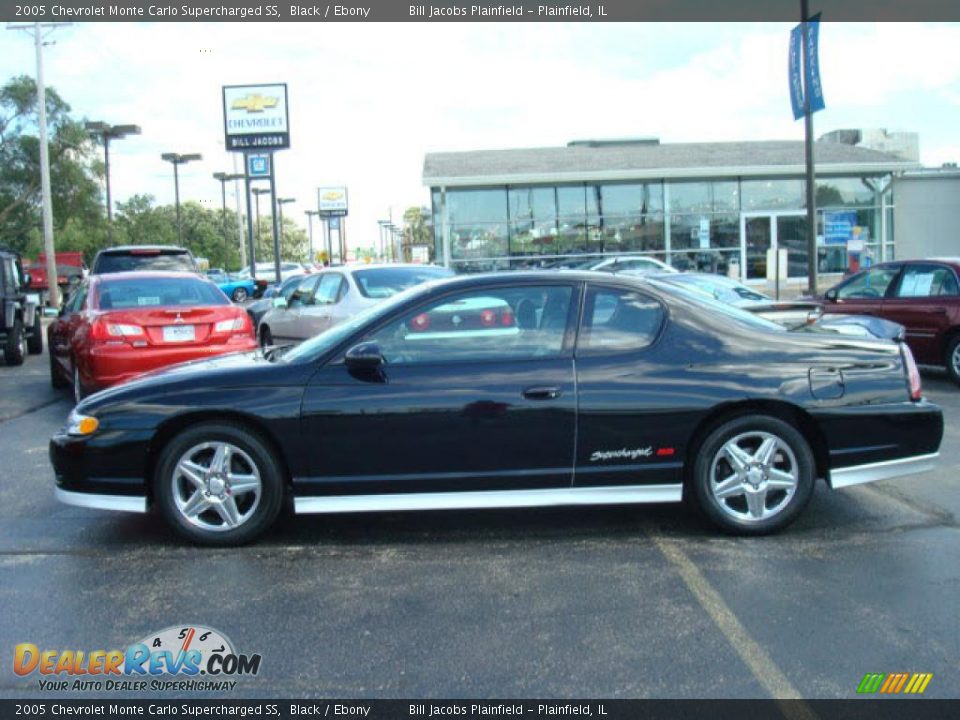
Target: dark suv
[[921, 295], [20, 328], [127, 258]]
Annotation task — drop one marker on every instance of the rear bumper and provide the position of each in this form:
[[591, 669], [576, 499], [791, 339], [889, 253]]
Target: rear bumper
[[885, 470], [111, 365]]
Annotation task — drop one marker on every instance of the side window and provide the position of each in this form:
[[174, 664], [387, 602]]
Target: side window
[[871, 283], [618, 320], [289, 289], [927, 281], [304, 292], [76, 301], [328, 291], [508, 323]]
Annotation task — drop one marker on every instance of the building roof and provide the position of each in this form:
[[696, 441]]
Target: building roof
[[650, 160]]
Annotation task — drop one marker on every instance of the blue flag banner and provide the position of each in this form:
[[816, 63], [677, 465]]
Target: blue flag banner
[[812, 67], [796, 78]]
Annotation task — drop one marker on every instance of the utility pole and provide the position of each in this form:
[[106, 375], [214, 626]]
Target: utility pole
[[48, 246]]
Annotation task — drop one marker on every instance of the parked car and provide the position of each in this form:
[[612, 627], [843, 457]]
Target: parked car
[[921, 295], [805, 315], [327, 298], [237, 289], [612, 390], [637, 264], [267, 271], [21, 332], [257, 309], [158, 258], [70, 270], [120, 325]]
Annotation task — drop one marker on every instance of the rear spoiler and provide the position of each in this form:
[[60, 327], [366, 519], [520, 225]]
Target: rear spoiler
[[878, 327]]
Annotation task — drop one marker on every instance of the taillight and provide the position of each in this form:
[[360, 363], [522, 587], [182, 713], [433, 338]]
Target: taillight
[[115, 333], [913, 374], [233, 325]]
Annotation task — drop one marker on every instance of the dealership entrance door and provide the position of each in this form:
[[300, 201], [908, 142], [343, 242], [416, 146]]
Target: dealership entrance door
[[760, 232]]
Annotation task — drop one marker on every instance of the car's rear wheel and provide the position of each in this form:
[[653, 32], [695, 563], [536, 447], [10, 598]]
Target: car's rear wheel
[[266, 337], [753, 475], [952, 358], [57, 380], [240, 294], [16, 347], [219, 484], [35, 341], [79, 392]]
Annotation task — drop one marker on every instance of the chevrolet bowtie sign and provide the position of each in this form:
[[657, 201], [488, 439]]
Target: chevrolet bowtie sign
[[332, 201], [255, 117]]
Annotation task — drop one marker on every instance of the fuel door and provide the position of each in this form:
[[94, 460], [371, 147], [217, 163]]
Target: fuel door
[[826, 383]]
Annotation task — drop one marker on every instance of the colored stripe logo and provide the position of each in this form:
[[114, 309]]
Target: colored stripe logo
[[894, 683]]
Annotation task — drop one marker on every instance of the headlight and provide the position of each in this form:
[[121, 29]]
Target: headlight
[[81, 425]]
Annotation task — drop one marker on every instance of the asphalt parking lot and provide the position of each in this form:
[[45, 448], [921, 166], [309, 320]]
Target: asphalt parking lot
[[620, 602]]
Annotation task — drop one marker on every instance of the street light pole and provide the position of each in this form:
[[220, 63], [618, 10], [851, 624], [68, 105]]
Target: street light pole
[[310, 214], [178, 159], [224, 178], [257, 192], [280, 203], [107, 132]]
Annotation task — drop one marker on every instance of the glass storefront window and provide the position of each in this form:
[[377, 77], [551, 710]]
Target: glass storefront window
[[633, 233], [532, 203], [705, 197], [488, 240], [477, 206], [704, 232], [631, 199], [572, 201], [772, 195], [844, 192]]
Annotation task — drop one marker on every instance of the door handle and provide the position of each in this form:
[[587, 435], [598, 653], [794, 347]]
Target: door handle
[[541, 393]]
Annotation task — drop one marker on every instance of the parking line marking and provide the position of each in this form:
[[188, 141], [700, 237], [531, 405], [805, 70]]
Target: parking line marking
[[755, 657]]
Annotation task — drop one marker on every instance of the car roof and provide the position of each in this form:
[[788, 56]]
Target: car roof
[[130, 248]]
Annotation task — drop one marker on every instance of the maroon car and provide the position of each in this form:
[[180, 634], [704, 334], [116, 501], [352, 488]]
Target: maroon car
[[921, 295]]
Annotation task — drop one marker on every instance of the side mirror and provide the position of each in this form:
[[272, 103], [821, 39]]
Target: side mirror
[[365, 357], [831, 295], [280, 303]]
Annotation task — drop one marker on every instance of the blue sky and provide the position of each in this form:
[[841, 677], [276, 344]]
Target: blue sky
[[368, 100]]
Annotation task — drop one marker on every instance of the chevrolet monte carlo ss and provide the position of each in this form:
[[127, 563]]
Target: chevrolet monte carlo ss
[[507, 390]]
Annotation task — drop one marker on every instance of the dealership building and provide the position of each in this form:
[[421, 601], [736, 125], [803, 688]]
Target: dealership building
[[713, 207]]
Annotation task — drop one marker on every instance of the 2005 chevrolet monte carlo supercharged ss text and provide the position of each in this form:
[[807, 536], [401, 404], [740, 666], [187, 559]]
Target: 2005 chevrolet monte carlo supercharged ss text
[[506, 390]]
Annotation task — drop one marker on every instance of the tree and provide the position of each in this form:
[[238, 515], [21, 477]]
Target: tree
[[75, 173], [417, 230]]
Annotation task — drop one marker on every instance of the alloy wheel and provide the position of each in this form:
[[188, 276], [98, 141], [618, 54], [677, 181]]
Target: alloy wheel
[[753, 476], [216, 486]]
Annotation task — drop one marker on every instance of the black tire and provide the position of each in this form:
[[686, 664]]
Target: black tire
[[266, 337], [13, 349], [57, 380], [952, 358], [240, 294], [793, 453], [167, 484], [35, 341], [79, 392]]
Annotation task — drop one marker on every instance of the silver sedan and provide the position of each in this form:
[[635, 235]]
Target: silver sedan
[[329, 297]]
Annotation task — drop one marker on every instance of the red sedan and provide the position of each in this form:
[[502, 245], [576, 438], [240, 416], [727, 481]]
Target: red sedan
[[117, 326]]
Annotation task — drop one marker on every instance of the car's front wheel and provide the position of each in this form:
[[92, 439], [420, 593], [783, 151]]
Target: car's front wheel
[[240, 294], [219, 484], [952, 358], [753, 475]]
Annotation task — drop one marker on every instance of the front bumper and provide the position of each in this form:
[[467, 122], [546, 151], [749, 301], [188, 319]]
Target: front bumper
[[123, 503], [101, 467]]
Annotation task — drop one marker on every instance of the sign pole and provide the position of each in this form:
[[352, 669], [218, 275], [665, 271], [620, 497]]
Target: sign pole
[[812, 259], [251, 248]]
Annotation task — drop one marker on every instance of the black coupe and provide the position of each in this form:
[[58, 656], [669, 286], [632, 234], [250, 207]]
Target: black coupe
[[507, 390]]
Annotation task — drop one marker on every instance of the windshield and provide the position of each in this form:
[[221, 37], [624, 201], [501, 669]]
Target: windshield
[[162, 261], [386, 282], [719, 288], [718, 306], [326, 341], [158, 292]]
